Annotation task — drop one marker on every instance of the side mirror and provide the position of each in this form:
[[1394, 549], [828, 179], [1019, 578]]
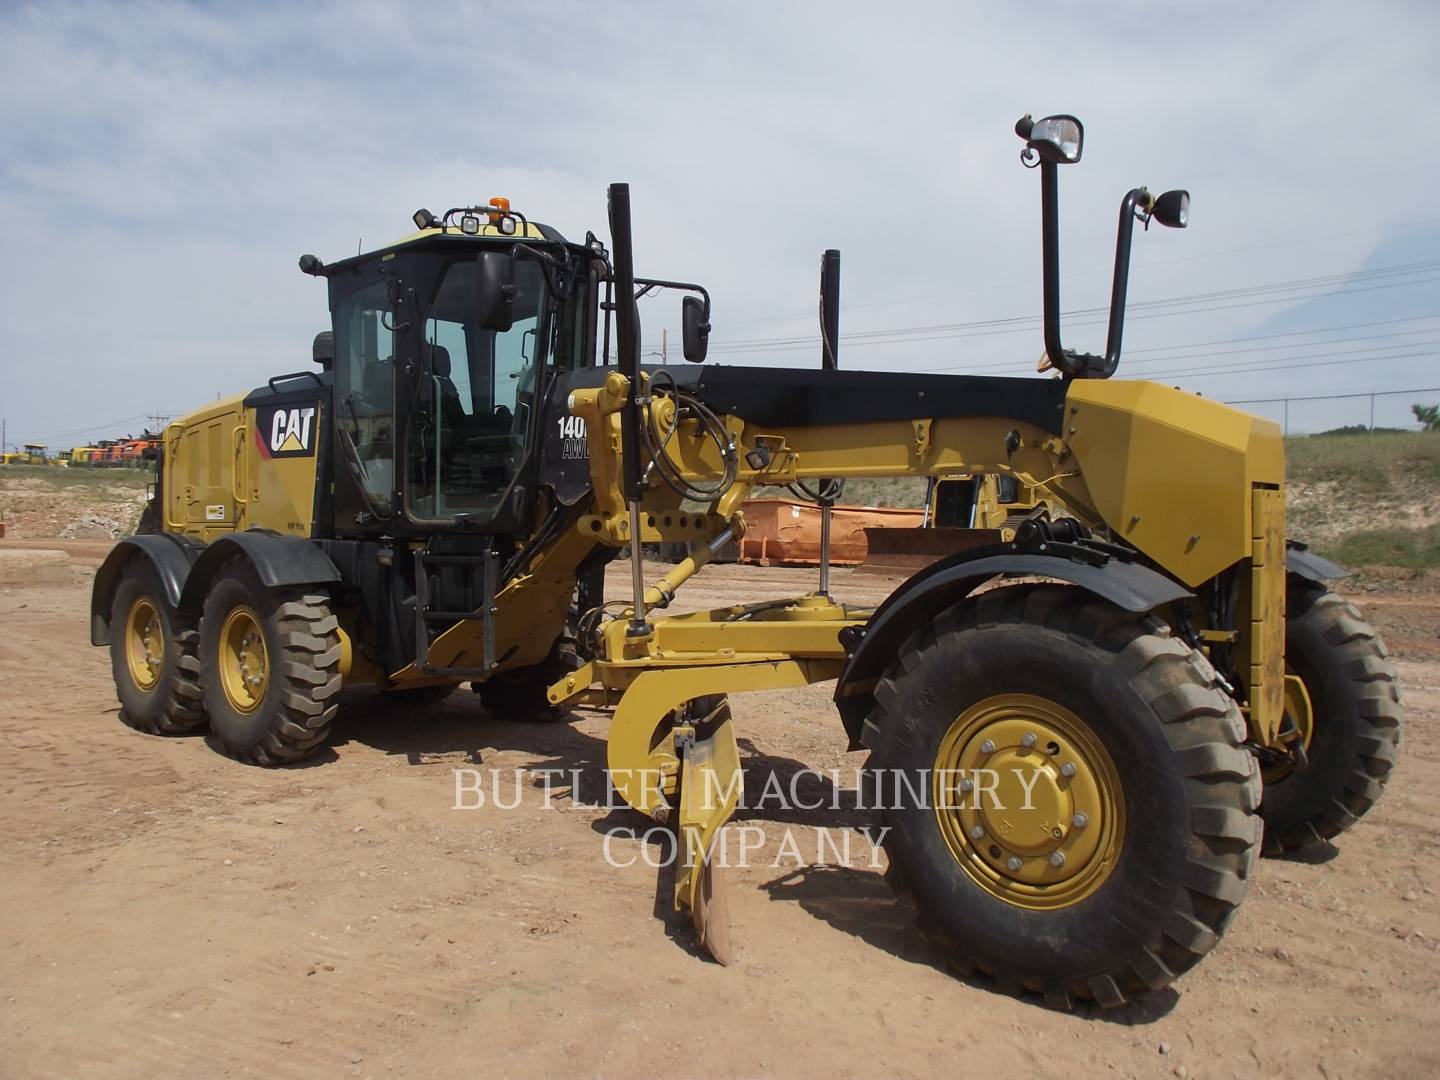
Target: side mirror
[[1057, 139], [494, 291], [1172, 209], [695, 329]]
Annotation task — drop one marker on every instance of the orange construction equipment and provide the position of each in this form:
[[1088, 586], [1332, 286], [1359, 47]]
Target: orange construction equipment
[[779, 532]]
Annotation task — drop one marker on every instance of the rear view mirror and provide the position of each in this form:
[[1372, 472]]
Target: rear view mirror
[[494, 291], [695, 329], [1057, 139]]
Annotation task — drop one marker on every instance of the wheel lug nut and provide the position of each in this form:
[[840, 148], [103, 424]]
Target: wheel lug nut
[[1057, 859], [1028, 740], [1014, 863], [967, 785], [1080, 821], [1068, 769], [977, 832], [987, 747]]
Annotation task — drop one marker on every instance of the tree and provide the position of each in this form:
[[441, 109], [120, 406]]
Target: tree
[[1428, 415]]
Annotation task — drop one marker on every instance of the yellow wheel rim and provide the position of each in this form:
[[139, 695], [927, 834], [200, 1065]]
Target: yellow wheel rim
[[144, 643], [1043, 848], [243, 661]]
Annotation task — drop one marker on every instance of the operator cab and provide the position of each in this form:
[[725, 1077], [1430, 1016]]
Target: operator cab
[[437, 405]]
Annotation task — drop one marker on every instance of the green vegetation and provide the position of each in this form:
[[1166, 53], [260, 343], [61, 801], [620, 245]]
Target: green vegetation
[[1412, 549], [56, 476], [901, 491], [1404, 465]]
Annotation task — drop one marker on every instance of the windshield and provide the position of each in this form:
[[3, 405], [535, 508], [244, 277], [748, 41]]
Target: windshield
[[473, 407]]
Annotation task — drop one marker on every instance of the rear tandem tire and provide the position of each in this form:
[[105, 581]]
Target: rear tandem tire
[[271, 667], [1356, 719], [1148, 877], [153, 657]]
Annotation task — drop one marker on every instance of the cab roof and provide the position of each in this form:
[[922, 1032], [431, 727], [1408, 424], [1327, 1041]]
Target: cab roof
[[529, 230]]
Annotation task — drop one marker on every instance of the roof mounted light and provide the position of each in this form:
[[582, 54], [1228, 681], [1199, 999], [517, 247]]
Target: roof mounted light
[[500, 215], [424, 219], [470, 225], [1172, 209], [311, 265]]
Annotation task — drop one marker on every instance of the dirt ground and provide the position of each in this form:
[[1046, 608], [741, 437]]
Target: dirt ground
[[168, 912]]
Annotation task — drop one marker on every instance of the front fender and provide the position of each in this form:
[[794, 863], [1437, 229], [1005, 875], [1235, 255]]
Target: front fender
[[278, 560], [1128, 585], [170, 555], [1311, 567]]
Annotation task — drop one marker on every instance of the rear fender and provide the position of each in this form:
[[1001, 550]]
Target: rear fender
[[920, 599], [170, 555], [279, 561]]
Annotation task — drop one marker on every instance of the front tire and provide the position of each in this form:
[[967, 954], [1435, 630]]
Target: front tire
[[1355, 727], [1128, 860], [271, 668]]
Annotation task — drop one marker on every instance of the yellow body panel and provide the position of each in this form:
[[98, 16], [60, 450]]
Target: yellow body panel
[[1266, 630], [1172, 473], [219, 478]]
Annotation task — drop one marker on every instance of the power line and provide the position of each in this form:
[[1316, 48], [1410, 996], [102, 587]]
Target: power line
[[93, 427], [1133, 364], [1335, 397], [1139, 265], [1193, 373], [1289, 333], [1272, 293]]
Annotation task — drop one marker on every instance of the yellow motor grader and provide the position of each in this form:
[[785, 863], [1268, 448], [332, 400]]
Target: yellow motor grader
[[1067, 729]]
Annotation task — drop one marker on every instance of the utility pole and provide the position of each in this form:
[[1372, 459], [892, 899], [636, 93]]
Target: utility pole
[[664, 346], [1372, 412]]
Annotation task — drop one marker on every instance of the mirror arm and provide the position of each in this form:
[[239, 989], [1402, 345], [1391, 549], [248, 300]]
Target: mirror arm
[[647, 284], [1074, 364], [1136, 201], [1050, 267]]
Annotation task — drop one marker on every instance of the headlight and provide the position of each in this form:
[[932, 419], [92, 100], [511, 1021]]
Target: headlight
[[1172, 209]]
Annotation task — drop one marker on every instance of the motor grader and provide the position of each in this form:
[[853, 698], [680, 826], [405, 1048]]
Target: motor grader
[[1067, 729]]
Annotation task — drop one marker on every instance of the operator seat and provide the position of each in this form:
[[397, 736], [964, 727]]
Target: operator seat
[[452, 412]]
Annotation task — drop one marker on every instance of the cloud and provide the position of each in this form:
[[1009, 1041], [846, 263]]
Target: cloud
[[164, 165]]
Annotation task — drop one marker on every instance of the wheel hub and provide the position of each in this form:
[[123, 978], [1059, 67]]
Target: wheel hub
[[243, 662], [1029, 801], [144, 643]]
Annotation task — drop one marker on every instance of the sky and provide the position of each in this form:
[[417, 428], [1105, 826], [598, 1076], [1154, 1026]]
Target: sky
[[163, 166]]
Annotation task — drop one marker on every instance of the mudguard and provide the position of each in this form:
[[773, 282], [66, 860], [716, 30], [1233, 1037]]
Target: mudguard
[[1311, 567], [278, 560], [170, 555], [944, 584]]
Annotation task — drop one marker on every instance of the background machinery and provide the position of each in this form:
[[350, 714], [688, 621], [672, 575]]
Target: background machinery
[[1067, 763]]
